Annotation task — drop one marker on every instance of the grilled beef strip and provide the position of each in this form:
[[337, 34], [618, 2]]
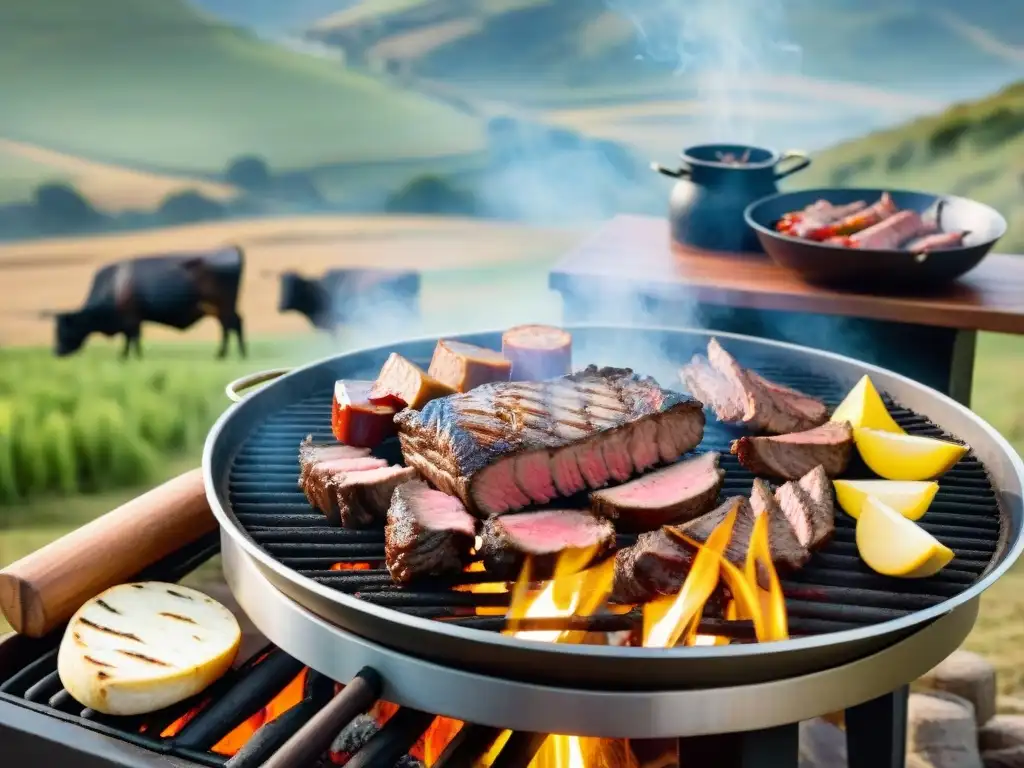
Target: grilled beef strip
[[676, 493], [507, 541], [787, 552], [311, 454], [325, 476], [794, 455], [821, 494], [361, 499], [428, 533], [741, 396], [508, 445], [659, 562]]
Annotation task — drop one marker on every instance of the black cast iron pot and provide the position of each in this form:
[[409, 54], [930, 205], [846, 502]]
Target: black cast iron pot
[[714, 186]]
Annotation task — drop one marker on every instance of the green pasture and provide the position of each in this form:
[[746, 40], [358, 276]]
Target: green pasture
[[152, 84]]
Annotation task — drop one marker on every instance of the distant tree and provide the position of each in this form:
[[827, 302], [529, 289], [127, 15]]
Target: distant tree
[[1001, 126], [945, 139], [61, 208], [248, 172], [190, 206], [431, 195], [901, 157]]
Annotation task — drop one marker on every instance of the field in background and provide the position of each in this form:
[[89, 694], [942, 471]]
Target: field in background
[[309, 245]]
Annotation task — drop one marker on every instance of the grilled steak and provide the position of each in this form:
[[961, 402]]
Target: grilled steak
[[676, 493], [322, 477], [428, 533], [361, 499], [543, 536], [656, 565], [819, 490], [740, 396], [659, 562], [786, 550], [794, 455], [701, 528], [508, 445], [311, 454]]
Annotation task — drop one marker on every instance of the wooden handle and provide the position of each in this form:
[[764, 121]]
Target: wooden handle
[[316, 736], [41, 591]]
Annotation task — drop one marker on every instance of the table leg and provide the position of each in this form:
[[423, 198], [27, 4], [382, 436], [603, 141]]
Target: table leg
[[876, 731]]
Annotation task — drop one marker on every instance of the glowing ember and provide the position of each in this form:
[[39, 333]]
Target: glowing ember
[[350, 567], [494, 587], [289, 696]]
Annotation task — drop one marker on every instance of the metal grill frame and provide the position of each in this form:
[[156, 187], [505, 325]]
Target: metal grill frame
[[603, 667]]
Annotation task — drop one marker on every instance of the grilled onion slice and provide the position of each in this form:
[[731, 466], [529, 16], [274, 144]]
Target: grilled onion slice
[[138, 648]]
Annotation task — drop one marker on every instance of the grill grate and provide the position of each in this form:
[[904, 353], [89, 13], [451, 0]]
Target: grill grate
[[835, 591]]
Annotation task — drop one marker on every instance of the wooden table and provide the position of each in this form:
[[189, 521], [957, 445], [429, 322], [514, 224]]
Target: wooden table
[[628, 272]]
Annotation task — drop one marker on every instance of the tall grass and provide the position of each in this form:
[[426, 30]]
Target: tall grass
[[92, 423]]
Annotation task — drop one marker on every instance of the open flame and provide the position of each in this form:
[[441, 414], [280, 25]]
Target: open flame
[[756, 591], [289, 696]]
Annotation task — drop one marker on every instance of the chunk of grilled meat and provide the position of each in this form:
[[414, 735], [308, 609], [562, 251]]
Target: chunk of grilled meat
[[794, 455], [361, 499], [673, 494], [508, 445], [787, 551], [506, 541], [428, 533], [311, 454], [821, 495], [740, 396], [659, 562]]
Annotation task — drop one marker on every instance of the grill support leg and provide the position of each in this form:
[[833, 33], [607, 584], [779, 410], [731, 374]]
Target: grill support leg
[[941, 358], [769, 748], [876, 731]]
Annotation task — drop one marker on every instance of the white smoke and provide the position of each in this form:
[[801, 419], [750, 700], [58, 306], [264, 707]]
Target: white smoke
[[723, 49]]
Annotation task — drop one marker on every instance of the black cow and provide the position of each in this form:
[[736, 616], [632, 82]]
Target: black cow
[[175, 290], [349, 295]]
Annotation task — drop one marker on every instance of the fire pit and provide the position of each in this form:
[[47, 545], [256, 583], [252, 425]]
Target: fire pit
[[854, 635]]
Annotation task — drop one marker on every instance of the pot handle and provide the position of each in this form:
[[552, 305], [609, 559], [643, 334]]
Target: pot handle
[[792, 154], [682, 173], [235, 388]]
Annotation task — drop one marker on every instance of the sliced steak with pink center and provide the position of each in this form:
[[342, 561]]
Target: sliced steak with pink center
[[361, 499], [468, 444], [542, 536], [673, 494], [796, 506], [327, 475], [428, 533], [700, 528], [794, 455], [311, 454], [533, 476]]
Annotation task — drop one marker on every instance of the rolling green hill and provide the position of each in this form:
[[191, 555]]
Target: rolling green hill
[[906, 43], [155, 84], [974, 149]]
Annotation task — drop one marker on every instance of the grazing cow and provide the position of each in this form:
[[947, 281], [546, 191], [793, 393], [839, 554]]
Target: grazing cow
[[175, 290], [347, 295]]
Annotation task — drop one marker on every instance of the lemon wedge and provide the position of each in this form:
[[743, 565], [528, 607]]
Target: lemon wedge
[[911, 499], [892, 545], [863, 407], [905, 457]]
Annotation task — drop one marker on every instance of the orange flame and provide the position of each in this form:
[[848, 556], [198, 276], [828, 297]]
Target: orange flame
[[494, 587], [350, 567], [671, 618], [289, 696]]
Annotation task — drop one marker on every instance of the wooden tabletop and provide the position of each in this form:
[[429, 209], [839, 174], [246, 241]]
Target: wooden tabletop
[[634, 253]]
